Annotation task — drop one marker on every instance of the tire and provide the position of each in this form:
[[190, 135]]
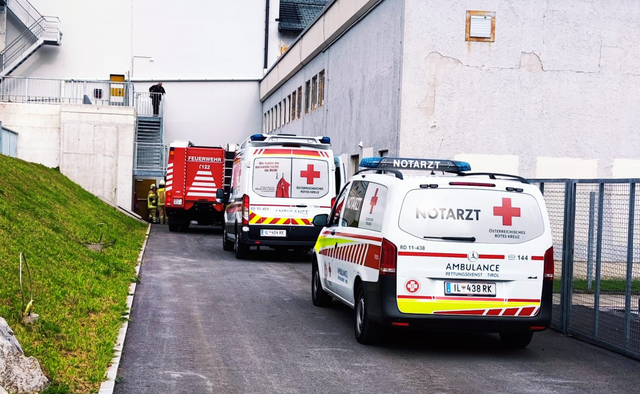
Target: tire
[[318, 295], [173, 227], [516, 340], [241, 249], [227, 245], [367, 332]]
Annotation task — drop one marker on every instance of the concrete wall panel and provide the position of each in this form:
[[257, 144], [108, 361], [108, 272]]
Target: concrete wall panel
[[559, 81]]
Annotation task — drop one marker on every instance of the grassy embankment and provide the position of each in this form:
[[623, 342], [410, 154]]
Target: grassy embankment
[[79, 294]]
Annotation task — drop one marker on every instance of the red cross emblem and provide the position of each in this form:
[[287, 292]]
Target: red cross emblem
[[310, 174], [506, 211], [374, 201], [412, 286]]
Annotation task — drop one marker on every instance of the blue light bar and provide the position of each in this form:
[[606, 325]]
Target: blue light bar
[[325, 140], [403, 163], [258, 137]]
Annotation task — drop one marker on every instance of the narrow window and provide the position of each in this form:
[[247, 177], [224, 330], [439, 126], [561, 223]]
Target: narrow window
[[293, 105], [264, 122], [314, 92], [279, 115], [307, 96], [321, 89], [383, 153], [285, 109], [299, 105]]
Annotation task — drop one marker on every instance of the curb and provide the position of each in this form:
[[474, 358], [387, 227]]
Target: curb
[[108, 385]]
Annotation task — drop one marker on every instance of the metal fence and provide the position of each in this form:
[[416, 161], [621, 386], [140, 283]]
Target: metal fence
[[150, 159], [69, 91], [596, 231]]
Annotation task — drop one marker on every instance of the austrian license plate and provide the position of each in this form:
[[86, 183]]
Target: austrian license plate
[[470, 289], [273, 233]]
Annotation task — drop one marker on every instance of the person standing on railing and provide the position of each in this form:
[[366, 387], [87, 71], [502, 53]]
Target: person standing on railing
[[156, 91]]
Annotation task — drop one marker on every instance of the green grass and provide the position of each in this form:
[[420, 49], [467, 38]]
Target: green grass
[[79, 294], [610, 286]]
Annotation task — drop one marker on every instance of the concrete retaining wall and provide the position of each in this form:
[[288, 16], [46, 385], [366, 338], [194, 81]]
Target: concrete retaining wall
[[92, 145]]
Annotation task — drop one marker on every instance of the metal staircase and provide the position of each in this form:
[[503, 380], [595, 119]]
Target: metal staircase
[[37, 30], [150, 151]]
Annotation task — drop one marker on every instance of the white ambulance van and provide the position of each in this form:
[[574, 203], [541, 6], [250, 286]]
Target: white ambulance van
[[445, 249], [279, 183]]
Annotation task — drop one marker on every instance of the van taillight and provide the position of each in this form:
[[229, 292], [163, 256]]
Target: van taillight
[[333, 201], [388, 258], [549, 264], [245, 210], [472, 184]]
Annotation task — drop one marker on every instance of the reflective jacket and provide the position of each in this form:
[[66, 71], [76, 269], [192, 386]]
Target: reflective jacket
[[152, 199], [161, 196]]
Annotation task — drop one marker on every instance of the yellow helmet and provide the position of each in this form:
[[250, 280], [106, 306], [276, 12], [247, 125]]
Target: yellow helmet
[[153, 186]]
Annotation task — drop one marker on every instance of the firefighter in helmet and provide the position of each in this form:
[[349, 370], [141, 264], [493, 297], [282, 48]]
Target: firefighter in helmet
[[161, 211], [152, 204]]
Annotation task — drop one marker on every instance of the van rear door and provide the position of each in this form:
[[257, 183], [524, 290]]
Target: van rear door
[[471, 251]]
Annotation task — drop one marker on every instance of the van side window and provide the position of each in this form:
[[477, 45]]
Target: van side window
[[353, 206], [373, 207], [334, 216]]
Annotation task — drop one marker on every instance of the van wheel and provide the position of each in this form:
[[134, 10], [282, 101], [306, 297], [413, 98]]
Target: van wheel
[[517, 340], [318, 295], [227, 245], [367, 332], [173, 227], [241, 249]]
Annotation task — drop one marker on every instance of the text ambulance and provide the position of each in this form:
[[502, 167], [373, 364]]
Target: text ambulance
[[444, 249], [279, 183]]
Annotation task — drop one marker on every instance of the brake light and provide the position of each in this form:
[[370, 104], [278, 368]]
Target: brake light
[[472, 184], [388, 258], [333, 201], [245, 210], [549, 264]]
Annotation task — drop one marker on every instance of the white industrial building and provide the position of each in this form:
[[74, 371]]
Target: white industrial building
[[540, 89]]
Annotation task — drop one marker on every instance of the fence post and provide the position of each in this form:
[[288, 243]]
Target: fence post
[[596, 306], [627, 295], [567, 253], [592, 203]]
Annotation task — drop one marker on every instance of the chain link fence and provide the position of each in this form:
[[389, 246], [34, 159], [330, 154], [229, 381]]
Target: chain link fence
[[596, 232]]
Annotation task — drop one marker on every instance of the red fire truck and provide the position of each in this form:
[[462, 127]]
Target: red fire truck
[[194, 174]]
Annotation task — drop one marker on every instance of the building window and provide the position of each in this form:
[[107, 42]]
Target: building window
[[383, 153], [299, 104], [314, 92], [293, 105], [264, 122], [307, 96], [321, 88]]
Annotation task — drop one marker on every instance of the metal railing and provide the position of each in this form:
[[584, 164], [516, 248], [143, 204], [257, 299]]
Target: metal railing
[[150, 159], [596, 230], [144, 103], [57, 91], [38, 30]]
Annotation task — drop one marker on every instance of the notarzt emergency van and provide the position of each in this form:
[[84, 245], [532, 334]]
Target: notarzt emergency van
[[443, 250], [279, 183]]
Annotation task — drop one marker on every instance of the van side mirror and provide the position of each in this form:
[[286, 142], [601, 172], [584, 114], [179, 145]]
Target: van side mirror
[[221, 197], [321, 220]]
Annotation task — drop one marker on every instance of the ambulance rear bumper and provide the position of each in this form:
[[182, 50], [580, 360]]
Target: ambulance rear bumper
[[382, 308], [296, 236]]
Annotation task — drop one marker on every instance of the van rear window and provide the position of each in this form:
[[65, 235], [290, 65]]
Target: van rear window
[[290, 177], [489, 216]]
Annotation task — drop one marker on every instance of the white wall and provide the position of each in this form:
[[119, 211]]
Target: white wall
[[92, 145], [188, 40], [210, 113], [558, 89]]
